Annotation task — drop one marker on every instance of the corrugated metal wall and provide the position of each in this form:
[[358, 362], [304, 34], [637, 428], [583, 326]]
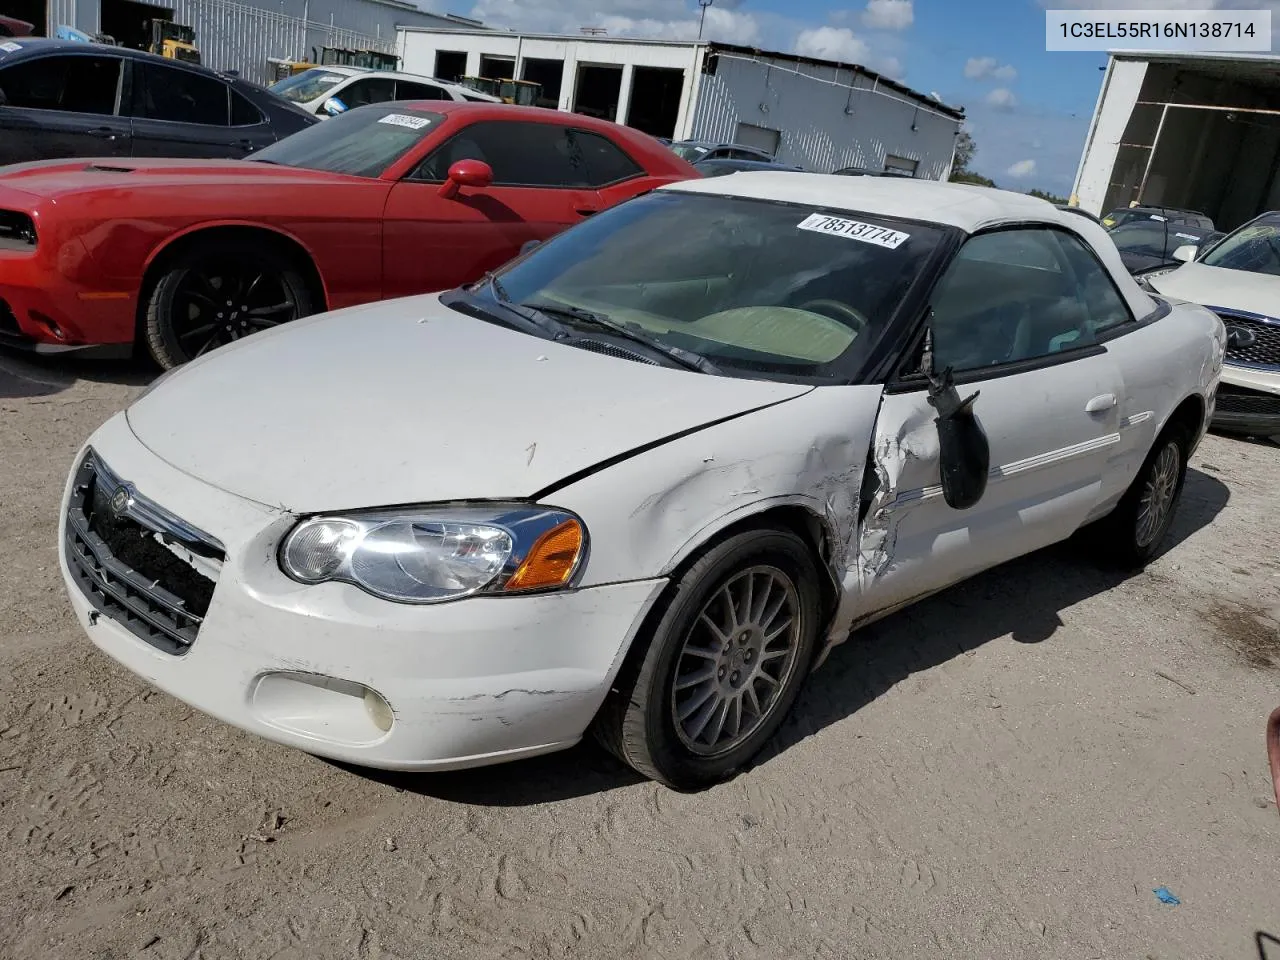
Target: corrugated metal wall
[[826, 117], [236, 35]]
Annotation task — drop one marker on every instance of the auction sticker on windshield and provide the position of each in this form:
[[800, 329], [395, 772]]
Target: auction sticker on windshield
[[401, 120], [854, 230]]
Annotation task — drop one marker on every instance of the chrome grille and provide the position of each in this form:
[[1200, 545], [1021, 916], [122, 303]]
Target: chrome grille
[[118, 546], [1232, 399], [1254, 340]]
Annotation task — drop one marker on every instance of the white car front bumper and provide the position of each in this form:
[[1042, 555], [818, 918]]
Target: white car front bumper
[[474, 681]]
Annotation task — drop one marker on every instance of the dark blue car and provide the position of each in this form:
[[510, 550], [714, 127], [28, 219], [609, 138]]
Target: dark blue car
[[64, 99]]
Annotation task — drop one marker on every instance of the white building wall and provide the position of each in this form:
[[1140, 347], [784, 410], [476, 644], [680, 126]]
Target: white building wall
[[827, 117], [1120, 89]]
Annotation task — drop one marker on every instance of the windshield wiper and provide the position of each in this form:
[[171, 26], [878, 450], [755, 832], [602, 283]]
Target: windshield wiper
[[538, 319], [686, 358]]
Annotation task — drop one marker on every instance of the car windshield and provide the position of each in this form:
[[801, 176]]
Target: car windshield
[[1254, 248], [363, 142], [306, 86], [770, 290], [689, 151]]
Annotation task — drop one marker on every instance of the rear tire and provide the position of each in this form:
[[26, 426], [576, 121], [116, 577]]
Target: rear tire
[[216, 293], [722, 664], [1131, 535]]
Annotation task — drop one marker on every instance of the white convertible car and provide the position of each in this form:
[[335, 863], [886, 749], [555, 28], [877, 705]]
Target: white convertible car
[[641, 479], [1238, 277]]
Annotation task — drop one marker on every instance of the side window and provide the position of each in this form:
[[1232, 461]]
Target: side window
[[1143, 237], [368, 90], [179, 96], [1103, 305], [521, 154], [606, 163], [419, 91], [243, 112], [76, 84], [1017, 295]]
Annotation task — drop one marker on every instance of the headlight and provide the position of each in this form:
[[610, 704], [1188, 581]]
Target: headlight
[[427, 555]]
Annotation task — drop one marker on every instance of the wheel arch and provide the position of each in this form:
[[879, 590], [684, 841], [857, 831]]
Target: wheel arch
[[1188, 418], [790, 515], [192, 237]]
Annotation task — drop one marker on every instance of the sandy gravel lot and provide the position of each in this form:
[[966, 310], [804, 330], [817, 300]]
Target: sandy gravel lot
[[1007, 770]]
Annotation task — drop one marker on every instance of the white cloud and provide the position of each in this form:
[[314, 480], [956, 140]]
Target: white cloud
[[888, 14], [832, 43], [651, 19], [1022, 169], [727, 26], [988, 68], [1001, 98]]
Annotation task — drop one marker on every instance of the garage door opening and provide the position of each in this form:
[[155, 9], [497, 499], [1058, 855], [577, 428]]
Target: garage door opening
[[451, 65], [548, 74], [497, 68], [655, 100], [597, 90], [1202, 137], [762, 138], [129, 22], [34, 12]]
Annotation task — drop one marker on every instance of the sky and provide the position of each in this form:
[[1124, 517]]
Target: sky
[[1028, 110]]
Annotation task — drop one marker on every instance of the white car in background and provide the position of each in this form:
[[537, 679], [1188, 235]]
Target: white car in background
[[1238, 278], [326, 91], [641, 479]]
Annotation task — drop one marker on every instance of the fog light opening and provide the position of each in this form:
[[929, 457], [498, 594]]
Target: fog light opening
[[379, 710]]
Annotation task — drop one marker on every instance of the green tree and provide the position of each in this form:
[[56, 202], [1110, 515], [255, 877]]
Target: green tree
[[964, 152], [1052, 198]]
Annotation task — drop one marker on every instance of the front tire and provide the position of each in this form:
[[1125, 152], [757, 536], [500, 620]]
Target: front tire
[[214, 294], [1131, 536], [722, 665]]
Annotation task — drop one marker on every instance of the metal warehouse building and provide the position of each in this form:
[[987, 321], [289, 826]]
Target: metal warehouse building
[[820, 114], [243, 35], [1190, 130]]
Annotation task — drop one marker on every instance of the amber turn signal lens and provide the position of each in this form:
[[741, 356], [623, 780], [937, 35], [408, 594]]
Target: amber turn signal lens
[[552, 559]]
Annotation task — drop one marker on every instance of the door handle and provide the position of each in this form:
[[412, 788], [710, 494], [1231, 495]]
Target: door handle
[[1100, 404], [586, 211], [106, 133]]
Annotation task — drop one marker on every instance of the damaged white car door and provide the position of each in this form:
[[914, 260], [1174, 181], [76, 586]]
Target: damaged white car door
[[1016, 319]]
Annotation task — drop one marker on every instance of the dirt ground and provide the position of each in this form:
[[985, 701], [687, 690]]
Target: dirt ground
[[1007, 770]]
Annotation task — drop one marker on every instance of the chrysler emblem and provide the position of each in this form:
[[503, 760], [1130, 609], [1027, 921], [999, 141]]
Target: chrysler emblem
[[119, 503], [1240, 338]]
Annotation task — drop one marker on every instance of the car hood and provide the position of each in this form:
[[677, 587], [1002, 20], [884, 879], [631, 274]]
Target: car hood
[[407, 401], [59, 178], [1219, 287]]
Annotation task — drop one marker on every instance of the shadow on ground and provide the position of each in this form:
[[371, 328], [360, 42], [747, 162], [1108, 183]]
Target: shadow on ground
[[25, 375], [1022, 598]]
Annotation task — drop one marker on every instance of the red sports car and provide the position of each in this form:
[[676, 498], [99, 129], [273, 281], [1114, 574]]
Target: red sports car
[[385, 201]]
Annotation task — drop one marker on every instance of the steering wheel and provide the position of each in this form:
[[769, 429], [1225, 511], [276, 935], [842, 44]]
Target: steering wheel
[[844, 311]]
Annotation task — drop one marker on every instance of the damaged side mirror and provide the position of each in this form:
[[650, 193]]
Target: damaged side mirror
[[964, 455]]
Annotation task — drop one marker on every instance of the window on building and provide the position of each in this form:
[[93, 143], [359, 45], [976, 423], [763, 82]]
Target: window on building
[[762, 138], [900, 165], [451, 65]]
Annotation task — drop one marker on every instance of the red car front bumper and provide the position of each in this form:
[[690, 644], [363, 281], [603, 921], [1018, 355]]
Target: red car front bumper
[[50, 301]]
